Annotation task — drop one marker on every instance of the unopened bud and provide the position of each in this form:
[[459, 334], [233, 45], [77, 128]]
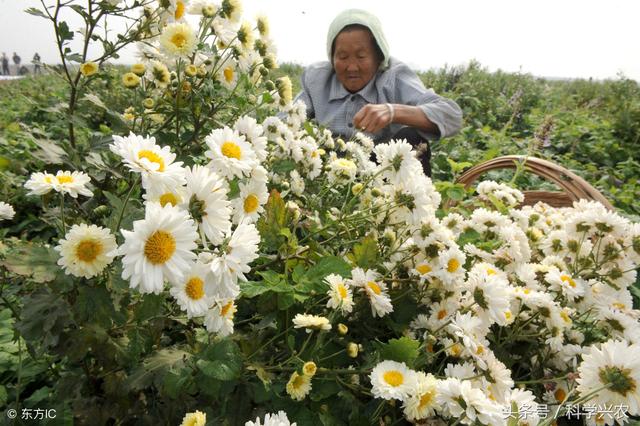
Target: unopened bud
[[342, 329], [352, 349]]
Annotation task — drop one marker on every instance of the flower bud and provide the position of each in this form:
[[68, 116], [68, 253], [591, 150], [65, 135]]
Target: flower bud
[[191, 70], [357, 188], [342, 329], [309, 368], [269, 85], [352, 349], [148, 103]]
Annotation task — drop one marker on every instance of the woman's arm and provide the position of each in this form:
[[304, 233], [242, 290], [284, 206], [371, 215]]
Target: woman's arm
[[374, 117]]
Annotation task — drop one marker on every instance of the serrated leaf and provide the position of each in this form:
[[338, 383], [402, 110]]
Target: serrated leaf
[[365, 254], [32, 260], [36, 12], [403, 349], [49, 152], [156, 364], [221, 361]]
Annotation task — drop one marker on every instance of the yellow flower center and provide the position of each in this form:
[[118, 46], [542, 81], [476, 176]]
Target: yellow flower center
[[178, 40], [508, 315], [152, 157], [491, 271], [64, 179], [298, 382], [567, 279], [565, 317], [423, 269], [159, 247], [168, 198], [194, 288], [456, 350], [442, 313], [231, 150], [480, 350], [560, 395], [393, 378], [88, 250], [453, 265], [526, 291], [342, 291], [251, 204], [48, 179], [228, 74], [179, 10], [426, 399], [374, 287], [226, 308], [619, 305]]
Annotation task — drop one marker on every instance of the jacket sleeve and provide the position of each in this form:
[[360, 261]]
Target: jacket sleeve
[[443, 112]]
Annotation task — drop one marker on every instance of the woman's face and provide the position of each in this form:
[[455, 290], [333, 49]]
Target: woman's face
[[354, 58]]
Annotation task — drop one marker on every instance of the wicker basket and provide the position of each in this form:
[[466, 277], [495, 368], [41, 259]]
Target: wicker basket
[[575, 188]]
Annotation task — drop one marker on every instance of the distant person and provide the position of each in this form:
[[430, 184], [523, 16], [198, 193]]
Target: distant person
[[17, 60], [23, 70], [36, 63], [363, 88], [5, 64]]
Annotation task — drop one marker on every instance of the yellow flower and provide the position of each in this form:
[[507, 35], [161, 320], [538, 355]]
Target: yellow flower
[[191, 70], [138, 69], [130, 80], [283, 84], [196, 418], [88, 69], [298, 386]]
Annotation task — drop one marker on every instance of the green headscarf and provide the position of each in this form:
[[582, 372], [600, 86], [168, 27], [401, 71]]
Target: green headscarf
[[362, 17]]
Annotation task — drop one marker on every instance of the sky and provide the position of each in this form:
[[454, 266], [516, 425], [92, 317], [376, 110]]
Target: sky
[[550, 38]]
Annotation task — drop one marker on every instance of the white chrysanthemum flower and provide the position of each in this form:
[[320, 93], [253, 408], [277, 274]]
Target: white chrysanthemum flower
[[66, 182], [491, 294], [499, 379], [279, 419], [562, 282], [392, 380], [219, 319], [156, 165], [615, 364], [400, 159], [451, 266], [228, 73], [510, 197], [197, 418], [160, 246], [342, 171], [311, 322], [190, 291], [620, 325], [202, 7], [526, 403], [254, 133], [230, 154], [175, 197], [296, 183], [6, 211], [378, 297], [340, 295], [178, 9], [86, 250], [249, 205], [421, 402], [178, 40], [40, 183], [460, 400], [241, 250], [298, 386], [206, 200], [224, 30]]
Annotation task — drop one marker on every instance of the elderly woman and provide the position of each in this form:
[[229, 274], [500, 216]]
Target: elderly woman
[[362, 88]]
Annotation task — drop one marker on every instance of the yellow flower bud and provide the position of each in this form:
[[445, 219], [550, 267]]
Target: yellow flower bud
[[309, 368], [191, 70], [342, 329], [89, 68], [138, 69], [352, 349], [148, 103], [356, 189]]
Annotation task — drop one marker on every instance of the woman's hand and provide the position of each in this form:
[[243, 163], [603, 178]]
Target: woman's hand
[[372, 118]]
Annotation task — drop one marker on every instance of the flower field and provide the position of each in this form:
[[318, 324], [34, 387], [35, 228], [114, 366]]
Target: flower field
[[179, 245]]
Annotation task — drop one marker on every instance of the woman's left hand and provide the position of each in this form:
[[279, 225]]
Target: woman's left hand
[[372, 118]]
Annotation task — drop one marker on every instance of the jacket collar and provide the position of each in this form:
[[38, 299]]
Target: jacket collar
[[368, 92]]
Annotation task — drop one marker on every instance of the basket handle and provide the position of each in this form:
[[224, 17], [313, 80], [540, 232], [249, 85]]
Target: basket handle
[[573, 185]]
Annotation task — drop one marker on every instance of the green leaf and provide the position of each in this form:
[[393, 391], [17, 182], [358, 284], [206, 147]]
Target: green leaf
[[403, 349], [468, 236], [49, 152], [312, 280], [456, 192], [65, 33], [94, 304], [324, 389], [272, 282], [31, 260], [365, 254], [283, 166], [43, 318], [36, 12], [157, 364], [221, 361]]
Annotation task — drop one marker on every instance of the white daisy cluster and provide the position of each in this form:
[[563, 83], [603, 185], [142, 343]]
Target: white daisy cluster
[[194, 235], [6, 211], [494, 191], [278, 419]]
